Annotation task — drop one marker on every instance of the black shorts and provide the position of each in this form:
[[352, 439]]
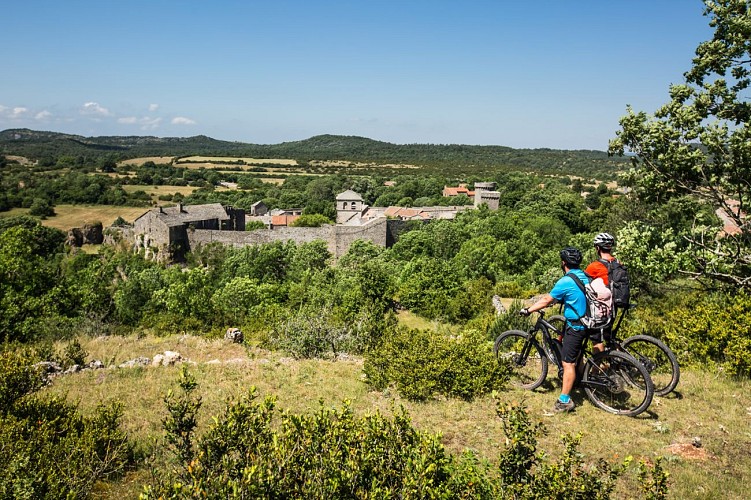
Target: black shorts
[[573, 342]]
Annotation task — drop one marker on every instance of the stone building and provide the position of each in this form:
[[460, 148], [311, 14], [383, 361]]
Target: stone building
[[164, 231], [167, 233], [485, 193], [349, 207]]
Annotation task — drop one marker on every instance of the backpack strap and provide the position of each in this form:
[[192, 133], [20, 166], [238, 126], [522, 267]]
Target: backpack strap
[[580, 284]]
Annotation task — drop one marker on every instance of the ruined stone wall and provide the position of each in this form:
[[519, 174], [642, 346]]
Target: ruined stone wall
[[262, 236], [374, 231], [338, 238]]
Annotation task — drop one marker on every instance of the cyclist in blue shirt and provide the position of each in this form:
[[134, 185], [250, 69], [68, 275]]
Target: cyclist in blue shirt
[[568, 293]]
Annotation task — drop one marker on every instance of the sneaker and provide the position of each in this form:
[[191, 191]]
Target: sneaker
[[561, 407]]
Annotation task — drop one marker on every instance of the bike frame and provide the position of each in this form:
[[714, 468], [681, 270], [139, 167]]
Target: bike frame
[[552, 349]]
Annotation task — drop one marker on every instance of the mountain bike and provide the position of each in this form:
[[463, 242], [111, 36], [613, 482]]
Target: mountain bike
[[657, 358], [613, 380]]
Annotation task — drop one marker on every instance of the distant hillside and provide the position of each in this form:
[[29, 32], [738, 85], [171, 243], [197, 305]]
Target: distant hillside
[[36, 144]]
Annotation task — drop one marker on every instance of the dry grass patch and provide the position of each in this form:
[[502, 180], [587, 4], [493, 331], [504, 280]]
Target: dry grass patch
[[254, 161], [21, 160], [159, 160], [70, 216]]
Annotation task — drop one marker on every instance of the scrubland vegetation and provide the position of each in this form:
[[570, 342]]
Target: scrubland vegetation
[[374, 375]]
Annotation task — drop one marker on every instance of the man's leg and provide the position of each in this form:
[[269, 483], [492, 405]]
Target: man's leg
[[569, 377], [572, 344]]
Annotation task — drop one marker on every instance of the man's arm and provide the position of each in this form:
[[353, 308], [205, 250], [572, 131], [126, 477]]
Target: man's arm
[[544, 302]]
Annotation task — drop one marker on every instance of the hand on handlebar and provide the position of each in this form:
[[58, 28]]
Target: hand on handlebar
[[524, 312]]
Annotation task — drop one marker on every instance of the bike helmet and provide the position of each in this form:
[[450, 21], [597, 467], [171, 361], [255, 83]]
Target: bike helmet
[[571, 256], [604, 241]]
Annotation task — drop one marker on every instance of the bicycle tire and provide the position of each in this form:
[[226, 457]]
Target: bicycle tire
[[558, 321], [619, 384], [658, 359], [527, 371]]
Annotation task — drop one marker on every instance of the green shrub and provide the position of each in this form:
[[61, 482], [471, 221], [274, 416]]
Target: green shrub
[[509, 320], [316, 333], [253, 450], [702, 329], [75, 354], [422, 363], [48, 449]]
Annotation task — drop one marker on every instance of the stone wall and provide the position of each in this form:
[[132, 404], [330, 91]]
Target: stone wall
[[374, 231], [261, 236], [338, 238]]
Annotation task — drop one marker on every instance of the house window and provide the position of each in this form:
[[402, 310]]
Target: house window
[[344, 205], [354, 205]]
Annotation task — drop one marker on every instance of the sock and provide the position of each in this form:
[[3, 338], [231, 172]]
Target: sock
[[564, 398]]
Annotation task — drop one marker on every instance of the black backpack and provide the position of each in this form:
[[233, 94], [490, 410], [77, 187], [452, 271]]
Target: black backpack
[[618, 282]]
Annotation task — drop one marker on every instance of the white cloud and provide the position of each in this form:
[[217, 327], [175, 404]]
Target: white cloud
[[43, 116], [149, 123], [153, 107], [93, 108], [18, 112], [181, 120], [144, 123]]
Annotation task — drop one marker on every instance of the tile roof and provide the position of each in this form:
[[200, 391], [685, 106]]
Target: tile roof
[[185, 214]]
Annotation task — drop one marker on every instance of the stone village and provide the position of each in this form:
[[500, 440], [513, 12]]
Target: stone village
[[166, 233]]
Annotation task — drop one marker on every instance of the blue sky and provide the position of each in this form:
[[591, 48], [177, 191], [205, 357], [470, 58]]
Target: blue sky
[[524, 74]]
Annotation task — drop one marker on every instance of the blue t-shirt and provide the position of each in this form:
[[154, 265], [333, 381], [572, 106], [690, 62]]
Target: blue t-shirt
[[568, 293]]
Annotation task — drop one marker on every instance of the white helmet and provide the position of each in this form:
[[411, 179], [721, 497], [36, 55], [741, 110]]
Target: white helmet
[[604, 241]]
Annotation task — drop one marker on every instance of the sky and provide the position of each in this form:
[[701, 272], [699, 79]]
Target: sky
[[524, 74]]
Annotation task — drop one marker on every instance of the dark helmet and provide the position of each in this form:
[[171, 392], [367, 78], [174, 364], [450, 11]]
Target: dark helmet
[[571, 256], [604, 241]]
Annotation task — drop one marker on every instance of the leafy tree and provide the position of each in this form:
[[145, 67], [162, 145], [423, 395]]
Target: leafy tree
[[312, 220], [41, 207], [699, 143]]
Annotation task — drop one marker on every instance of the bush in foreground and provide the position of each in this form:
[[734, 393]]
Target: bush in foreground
[[423, 363], [47, 448], [254, 450]]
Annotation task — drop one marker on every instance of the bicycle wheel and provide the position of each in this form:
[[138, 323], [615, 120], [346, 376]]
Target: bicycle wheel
[[657, 358], [558, 321], [523, 357], [617, 383]]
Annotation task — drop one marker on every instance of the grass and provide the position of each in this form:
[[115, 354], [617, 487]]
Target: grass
[[69, 216], [254, 161], [709, 406], [159, 160]]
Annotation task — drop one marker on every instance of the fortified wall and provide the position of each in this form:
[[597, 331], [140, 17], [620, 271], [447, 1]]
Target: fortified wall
[[338, 238]]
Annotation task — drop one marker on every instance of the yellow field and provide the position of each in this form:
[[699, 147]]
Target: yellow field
[[22, 160], [140, 161], [256, 161], [155, 191], [70, 216], [356, 165]]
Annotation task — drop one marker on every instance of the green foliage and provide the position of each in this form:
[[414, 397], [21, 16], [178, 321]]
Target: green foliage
[[509, 320], [423, 363], [254, 450], [526, 473], [653, 481], [652, 254], [316, 332], [41, 207], [75, 354], [254, 224], [311, 220], [712, 330], [699, 144], [37, 435]]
